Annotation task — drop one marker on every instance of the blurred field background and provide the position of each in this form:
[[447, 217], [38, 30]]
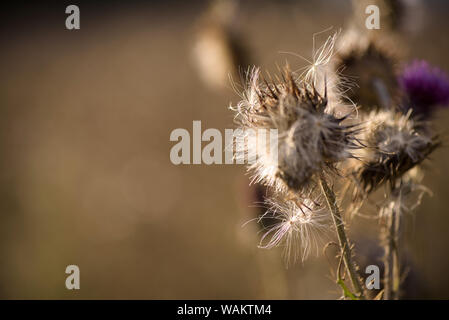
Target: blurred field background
[[85, 173]]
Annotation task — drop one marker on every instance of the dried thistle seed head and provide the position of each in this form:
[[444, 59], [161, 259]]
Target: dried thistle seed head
[[300, 227], [395, 143], [370, 67], [310, 140]]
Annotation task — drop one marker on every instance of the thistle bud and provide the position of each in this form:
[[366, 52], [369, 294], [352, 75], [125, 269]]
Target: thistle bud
[[426, 87]]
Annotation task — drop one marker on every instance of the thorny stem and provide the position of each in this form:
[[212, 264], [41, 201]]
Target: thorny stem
[[392, 268], [342, 238]]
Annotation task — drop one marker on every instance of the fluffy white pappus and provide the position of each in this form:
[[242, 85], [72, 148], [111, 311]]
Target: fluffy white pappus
[[308, 138], [322, 73], [395, 143], [317, 72], [250, 97], [259, 149], [390, 133], [301, 227]]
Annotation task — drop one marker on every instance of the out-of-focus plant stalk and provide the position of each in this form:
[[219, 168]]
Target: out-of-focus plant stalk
[[392, 223], [392, 277], [345, 246]]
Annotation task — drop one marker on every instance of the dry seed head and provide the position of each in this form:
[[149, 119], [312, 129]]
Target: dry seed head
[[395, 143], [368, 65], [310, 140]]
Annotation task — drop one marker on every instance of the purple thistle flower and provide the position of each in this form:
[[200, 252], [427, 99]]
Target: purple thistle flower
[[426, 87]]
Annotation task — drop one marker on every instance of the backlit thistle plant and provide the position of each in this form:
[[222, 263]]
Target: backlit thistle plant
[[394, 144], [310, 140], [397, 141], [424, 89], [380, 147], [311, 143], [348, 117]]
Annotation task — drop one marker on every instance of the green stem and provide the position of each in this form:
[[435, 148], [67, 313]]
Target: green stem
[[342, 238]]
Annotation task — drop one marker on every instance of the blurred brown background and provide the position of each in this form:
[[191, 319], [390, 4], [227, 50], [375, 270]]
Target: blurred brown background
[[86, 177]]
